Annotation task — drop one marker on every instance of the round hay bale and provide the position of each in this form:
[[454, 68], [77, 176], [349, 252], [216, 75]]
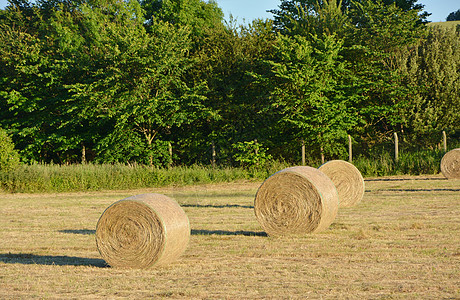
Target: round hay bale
[[142, 231], [347, 179], [450, 164], [295, 201]]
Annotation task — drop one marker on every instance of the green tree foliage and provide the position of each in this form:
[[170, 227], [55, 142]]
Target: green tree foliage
[[379, 37], [369, 37], [94, 76], [27, 107], [454, 16], [313, 89], [318, 19], [199, 16], [227, 59], [431, 71], [120, 81], [9, 157], [251, 154], [295, 13], [160, 99], [103, 44], [290, 11]]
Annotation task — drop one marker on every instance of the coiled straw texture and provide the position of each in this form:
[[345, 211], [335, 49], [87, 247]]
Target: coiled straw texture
[[296, 201], [142, 231], [347, 179], [450, 164]]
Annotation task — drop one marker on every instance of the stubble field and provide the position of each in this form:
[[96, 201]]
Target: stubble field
[[401, 242]]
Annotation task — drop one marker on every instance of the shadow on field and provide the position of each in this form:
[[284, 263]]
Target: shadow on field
[[216, 206], [421, 190], [226, 232], [404, 179], [32, 259], [79, 231], [193, 232], [213, 195]]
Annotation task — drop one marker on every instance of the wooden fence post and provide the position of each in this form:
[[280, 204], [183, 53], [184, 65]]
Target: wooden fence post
[[303, 152], [213, 159], [444, 141], [83, 154], [350, 150], [256, 151], [170, 153], [322, 154], [396, 147]]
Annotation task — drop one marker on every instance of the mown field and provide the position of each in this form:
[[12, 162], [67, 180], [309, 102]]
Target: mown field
[[401, 242]]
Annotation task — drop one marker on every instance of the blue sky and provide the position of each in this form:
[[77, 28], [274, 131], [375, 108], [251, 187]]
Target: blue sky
[[252, 9]]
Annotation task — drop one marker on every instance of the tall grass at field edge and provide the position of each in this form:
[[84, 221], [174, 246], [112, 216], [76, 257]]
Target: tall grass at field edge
[[412, 163], [40, 178]]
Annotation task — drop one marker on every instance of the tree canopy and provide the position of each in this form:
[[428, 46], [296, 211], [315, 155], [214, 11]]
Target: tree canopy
[[156, 82], [454, 16], [290, 10]]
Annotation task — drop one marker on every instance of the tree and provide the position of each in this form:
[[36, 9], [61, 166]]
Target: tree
[[226, 60], [326, 18], [97, 77], [93, 77], [199, 15], [24, 73], [373, 35], [312, 87], [376, 45], [158, 100], [310, 82], [454, 16], [135, 86], [432, 74], [290, 10]]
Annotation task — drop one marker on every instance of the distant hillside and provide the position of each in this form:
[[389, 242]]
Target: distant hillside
[[445, 24]]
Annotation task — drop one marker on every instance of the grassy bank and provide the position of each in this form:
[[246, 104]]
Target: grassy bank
[[39, 178]]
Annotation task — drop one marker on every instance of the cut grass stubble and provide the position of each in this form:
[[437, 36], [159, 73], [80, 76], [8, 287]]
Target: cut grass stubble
[[401, 241]]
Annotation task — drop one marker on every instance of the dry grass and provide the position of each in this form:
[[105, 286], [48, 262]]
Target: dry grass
[[401, 242], [449, 24]]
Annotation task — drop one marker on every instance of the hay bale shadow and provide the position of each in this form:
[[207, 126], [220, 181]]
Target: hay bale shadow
[[423, 190], [413, 190], [50, 260], [227, 232], [217, 206], [193, 232], [78, 231], [404, 179]]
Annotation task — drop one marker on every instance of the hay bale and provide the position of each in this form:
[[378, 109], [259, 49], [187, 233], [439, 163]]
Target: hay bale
[[296, 200], [450, 164], [347, 179], [142, 231]]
